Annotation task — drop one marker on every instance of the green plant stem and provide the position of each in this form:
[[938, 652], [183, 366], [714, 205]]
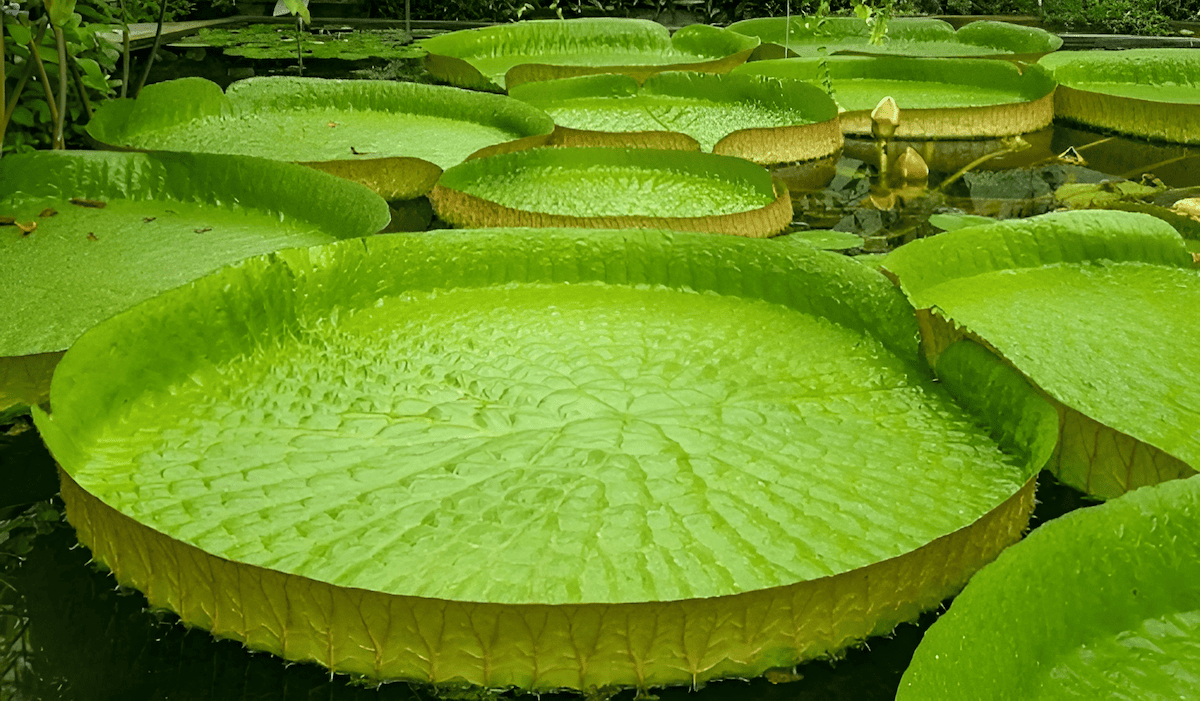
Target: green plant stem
[[299, 43], [41, 67], [125, 61], [125, 53], [60, 123], [1153, 166], [11, 107], [12, 99], [162, 13], [79, 86], [1019, 146], [3, 85]]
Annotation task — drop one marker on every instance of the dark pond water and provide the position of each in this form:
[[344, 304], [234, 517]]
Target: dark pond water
[[1055, 168], [67, 632]]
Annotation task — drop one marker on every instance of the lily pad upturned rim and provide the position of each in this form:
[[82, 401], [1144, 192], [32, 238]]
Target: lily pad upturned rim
[[330, 204], [1098, 437], [1088, 575], [462, 209], [1079, 100], [1018, 42], [174, 103], [529, 646], [450, 54], [1034, 86], [814, 138]]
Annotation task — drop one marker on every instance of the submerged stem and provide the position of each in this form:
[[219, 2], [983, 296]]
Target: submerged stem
[[1018, 144]]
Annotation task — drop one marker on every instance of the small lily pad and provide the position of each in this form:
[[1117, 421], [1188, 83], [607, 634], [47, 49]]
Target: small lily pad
[[764, 120], [1151, 93], [504, 56], [824, 239], [953, 222], [938, 98], [906, 36], [608, 187], [165, 219], [393, 137]]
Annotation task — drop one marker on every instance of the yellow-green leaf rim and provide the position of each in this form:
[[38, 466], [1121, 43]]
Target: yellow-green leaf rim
[[670, 457]]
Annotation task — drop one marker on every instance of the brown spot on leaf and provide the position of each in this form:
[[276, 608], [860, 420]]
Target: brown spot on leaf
[[1196, 258], [7, 221], [204, 230], [148, 219], [332, 125], [48, 212], [92, 236], [26, 228], [94, 204]]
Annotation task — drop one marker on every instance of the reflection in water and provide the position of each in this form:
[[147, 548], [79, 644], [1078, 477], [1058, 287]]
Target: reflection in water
[[997, 178]]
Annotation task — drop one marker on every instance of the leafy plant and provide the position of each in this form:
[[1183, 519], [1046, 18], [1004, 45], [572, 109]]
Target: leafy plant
[[34, 86], [1142, 17]]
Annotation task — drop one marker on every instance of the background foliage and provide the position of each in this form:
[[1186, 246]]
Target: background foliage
[[1119, 16], [95, 58]]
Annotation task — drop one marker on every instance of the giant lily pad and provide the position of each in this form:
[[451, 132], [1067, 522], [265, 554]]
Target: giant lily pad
[[938, 98], [113, 229], [540, 459], [760, 119], [808, 36], [1095, 308], [393, 137], [1099, 604], [503, 56], [611, 187], [1152, 93]]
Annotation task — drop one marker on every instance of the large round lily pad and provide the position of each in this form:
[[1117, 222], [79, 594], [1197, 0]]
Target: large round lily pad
[[108, 230], [393, 137], [1151, 93], [504, 56], [539, 458], [1095, 307], [1099, 604], [908, 36], [764, 120], [939, 98], [612, 187]]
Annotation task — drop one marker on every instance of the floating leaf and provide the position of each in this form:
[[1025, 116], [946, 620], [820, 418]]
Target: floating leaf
[[953, 222], [1152, 93], [938, 98], [89, 262], [409, 131], [609, 187], [504, 56], [760, 119], [907, 36], [719, 456], [1098, 604], [1088, 305]]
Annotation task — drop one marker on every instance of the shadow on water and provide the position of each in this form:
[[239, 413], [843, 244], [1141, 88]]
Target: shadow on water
[[68, 632]]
